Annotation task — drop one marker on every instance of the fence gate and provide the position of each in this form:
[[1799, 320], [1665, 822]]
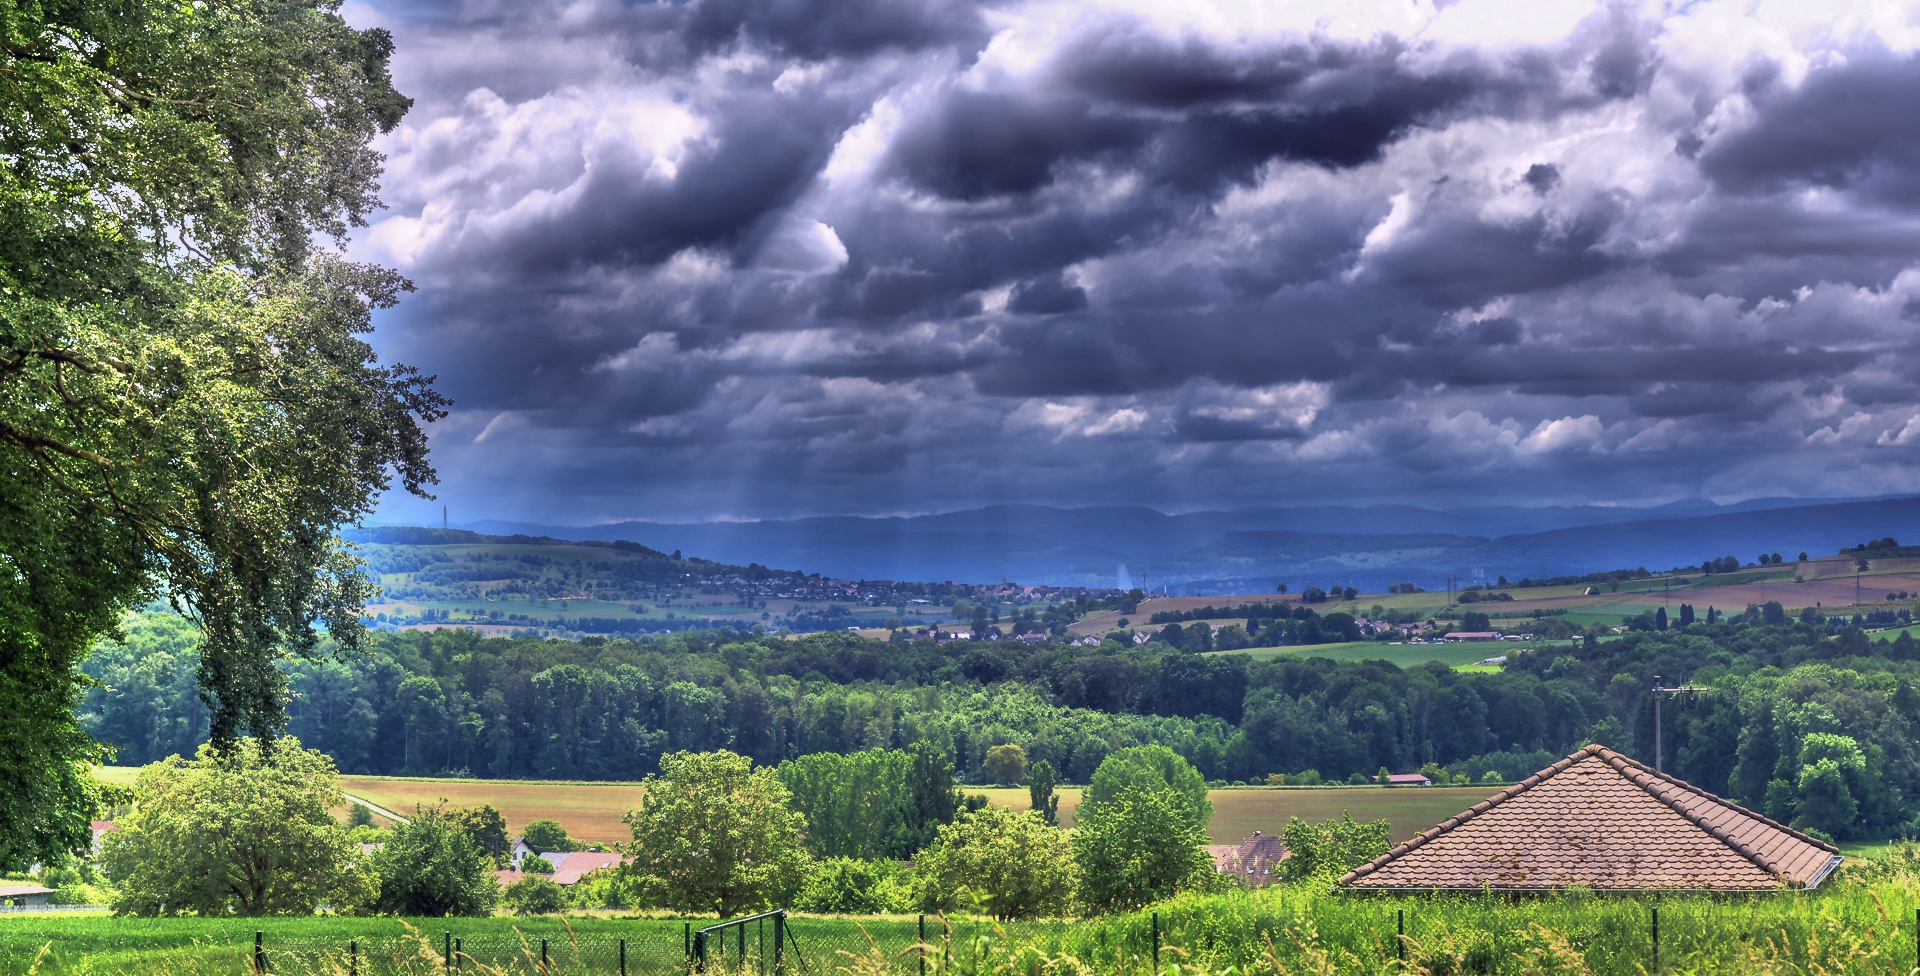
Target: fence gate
[[748, 937]]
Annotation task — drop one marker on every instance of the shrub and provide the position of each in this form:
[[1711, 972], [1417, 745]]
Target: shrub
[[535, 896]]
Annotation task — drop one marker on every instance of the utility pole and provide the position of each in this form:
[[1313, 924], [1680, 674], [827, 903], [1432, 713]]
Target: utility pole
[[1659, 693]]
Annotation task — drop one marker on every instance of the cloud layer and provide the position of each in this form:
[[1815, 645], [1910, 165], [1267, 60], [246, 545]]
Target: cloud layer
[[741, 259]]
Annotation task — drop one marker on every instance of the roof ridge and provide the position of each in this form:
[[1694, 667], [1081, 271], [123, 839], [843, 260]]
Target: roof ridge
[[1715, 798], [1471, 812], [1645, 778]]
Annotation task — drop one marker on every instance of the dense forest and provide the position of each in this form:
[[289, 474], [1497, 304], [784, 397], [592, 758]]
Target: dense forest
[[1803, 724]]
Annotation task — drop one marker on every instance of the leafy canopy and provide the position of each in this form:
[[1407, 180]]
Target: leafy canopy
[[1139, 849], [717, 835], [234, 834], [1143, 769], [1010, 863], [187, 409], [430, 867]]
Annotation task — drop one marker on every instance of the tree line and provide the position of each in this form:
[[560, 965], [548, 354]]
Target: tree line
[[451, 701]]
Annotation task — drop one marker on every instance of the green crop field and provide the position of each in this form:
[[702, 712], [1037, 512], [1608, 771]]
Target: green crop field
[[1402, 655]]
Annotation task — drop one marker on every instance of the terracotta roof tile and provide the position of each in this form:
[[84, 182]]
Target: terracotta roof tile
[[1600, 820]]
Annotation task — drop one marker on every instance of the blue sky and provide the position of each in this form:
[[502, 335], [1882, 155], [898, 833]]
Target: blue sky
[[761, 259]]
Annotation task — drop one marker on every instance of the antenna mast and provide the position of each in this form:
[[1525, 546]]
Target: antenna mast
[[1659, 693]]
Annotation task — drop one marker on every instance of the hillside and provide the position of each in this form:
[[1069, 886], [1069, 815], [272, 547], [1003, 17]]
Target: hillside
[[1252, 549]]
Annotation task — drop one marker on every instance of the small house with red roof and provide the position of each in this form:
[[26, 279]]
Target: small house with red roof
[[1602, 821]]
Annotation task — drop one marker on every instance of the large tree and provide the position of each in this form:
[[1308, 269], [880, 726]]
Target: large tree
[[234, 834], [1139, 848], [717, 835], [1010, 864], [1141, 769], [187, 409], [430, 866]]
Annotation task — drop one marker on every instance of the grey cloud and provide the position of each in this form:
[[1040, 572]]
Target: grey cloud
[[1449, 246], [1849, 126]]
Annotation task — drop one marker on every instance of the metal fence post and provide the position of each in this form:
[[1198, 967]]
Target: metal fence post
[[543, 957], [353, 957], [699, 953], [1156, 944], [623, 957], [449, 951], [259, 951], [779, 940], [1656, 940], [923, 944], [459, 949], [1400, 930], [743, 943]]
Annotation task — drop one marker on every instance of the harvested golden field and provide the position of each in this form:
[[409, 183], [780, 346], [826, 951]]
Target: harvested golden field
[[1238, 813], [589, 811]]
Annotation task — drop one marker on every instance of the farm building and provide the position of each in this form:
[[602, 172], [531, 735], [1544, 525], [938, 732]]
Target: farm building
[[24, 896], [1408, 779], [1255, 861], [568, 868], [1600, 820]]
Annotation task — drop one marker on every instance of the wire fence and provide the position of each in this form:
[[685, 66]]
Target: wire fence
[[1376, 939]]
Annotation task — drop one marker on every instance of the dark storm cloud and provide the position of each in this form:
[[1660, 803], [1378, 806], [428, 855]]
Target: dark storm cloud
[[1850, 127], [727, 257]]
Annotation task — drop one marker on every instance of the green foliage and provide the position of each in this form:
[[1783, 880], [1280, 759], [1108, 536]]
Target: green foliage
[[855, 805], [1322, 852], [535, 896], [1040, 796], [236, 834], [535, 864], [187, 409], [359, 816], [487, 828], [1144, 769], [430, 866], [1011, 865], [1139, 848], [718, 835], [1005, 764], [547, 835], [851, 886]]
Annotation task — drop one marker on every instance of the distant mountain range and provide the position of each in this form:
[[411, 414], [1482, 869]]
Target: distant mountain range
[[1252, 549]]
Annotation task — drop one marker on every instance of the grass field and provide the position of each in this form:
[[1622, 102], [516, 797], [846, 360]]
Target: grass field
[[1402, 655]]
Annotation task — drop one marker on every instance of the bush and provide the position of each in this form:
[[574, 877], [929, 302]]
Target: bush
[[535, 896], [535, 864], [851, 886]]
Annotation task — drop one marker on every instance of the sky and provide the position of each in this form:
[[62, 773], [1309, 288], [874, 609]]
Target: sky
[[736, 259]]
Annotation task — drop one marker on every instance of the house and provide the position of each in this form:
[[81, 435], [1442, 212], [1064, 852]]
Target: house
[[568, 867], [1255, 861], [519, 852], [1408, 779], [24, 896], [1602, 821], [101, 828]]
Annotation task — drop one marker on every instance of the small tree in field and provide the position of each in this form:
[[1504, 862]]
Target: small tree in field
[[1012, 863], [235, 835], [718, 835], [1005, 764], [1040, 795]]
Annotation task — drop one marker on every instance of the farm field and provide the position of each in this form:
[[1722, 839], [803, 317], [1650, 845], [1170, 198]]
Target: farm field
[[1238, 813], [591, 811], [1402, 655]]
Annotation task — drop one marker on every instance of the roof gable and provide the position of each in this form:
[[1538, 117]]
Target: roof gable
[[1600, 820]]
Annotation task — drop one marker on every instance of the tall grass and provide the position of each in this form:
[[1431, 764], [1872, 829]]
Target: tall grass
[[1865, 927]]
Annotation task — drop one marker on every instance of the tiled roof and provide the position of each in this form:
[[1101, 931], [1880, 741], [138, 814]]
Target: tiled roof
[[1600, 820], [1253, 860], [568, 868]]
